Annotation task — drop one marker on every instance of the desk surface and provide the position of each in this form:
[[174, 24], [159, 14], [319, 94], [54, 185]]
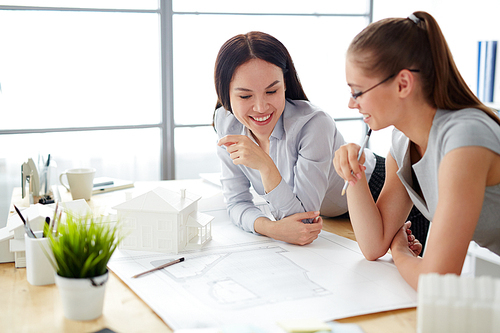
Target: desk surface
[[27, 308]]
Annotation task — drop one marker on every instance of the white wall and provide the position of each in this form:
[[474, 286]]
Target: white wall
[[463, 23]]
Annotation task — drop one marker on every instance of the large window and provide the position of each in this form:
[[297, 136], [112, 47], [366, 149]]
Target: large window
[[127, 86], [81, 84], [316, 33]]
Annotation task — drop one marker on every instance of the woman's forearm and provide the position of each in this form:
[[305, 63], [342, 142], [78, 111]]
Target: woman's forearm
[[408, 264], [366, 221], [270, 175]]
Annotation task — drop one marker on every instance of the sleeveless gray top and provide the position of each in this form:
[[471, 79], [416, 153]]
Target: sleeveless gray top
[[450, 130]]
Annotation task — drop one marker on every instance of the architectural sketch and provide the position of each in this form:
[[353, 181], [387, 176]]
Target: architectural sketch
[[226, 280], [261, 282], [243, 278], [163, 221]]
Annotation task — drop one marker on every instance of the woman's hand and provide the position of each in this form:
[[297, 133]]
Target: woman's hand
[[413, 243], [346, 163], [243, 150], [405, 241], [291, 229]]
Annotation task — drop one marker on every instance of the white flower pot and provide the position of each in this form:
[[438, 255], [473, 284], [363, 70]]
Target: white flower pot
[[82, 299]]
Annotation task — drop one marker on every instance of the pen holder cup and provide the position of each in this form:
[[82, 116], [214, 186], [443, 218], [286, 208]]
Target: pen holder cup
[[39, 271]]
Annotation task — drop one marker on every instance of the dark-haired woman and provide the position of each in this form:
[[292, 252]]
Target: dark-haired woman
[[274, 140], [445, 154]]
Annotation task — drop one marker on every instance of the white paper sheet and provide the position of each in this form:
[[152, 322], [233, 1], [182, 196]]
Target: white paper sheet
[[241, 278]]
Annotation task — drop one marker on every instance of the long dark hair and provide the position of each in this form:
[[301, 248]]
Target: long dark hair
[[253, 45], [387, 46]]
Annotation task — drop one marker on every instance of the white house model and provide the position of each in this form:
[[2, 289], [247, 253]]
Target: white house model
[[14, 232], [35, 215], [163, 221]]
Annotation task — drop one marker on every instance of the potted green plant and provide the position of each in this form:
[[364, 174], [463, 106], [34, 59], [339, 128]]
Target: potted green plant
[[82, 247]]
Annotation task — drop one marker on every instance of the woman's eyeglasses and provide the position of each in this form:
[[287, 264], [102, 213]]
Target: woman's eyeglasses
[[356, 95]]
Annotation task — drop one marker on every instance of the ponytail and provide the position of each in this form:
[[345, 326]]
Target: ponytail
[[451, 92]]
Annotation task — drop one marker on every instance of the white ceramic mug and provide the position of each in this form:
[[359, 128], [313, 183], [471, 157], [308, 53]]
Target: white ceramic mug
[[39, 271], [80, 182]]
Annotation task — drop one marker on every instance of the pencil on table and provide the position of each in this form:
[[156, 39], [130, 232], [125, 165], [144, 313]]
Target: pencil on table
[[159, 267]]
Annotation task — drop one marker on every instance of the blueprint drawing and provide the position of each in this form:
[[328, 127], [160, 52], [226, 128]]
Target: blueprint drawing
[[246, 279], [227, 280], [242, 278]]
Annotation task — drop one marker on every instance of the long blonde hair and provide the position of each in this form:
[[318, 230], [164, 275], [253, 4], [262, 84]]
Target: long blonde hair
[[387, 46]]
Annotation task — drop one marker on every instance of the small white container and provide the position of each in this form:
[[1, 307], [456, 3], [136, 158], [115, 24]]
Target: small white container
[[82, 299], [39, 271]]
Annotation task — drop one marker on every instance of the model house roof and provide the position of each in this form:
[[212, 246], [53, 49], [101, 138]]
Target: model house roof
[[197, 219], [78, 208], [34, 214], [160, 200], [5, 234]]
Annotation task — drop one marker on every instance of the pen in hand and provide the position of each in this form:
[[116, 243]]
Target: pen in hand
[[363, 146]]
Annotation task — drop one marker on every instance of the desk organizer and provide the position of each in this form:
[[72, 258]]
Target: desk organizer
[[449, 303]]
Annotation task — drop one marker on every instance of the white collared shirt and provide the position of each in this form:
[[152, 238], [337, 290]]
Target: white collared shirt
[[302, 146]]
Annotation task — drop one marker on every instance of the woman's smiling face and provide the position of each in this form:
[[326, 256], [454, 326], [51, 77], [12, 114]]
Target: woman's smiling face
[[257, 95], [377, 102]]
